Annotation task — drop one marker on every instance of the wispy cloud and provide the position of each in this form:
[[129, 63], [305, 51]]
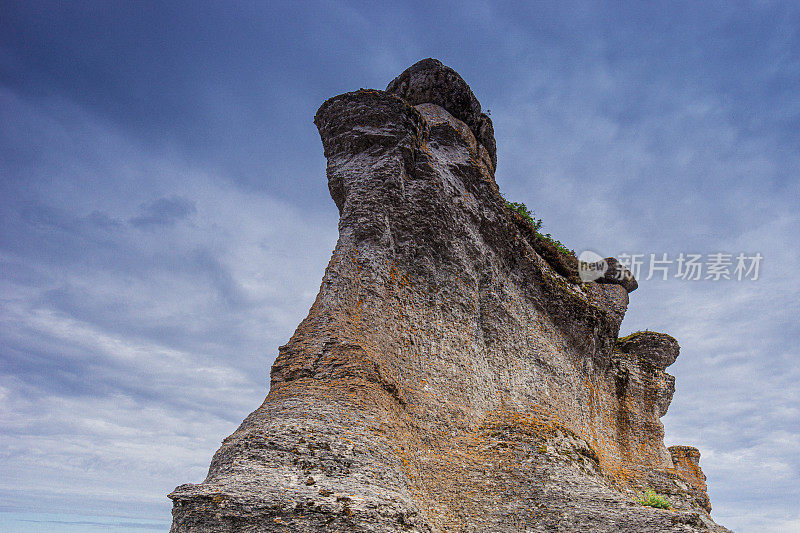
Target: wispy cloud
[[163, 212], [129, 351]]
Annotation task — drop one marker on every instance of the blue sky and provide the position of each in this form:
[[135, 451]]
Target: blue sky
[[165, 220]]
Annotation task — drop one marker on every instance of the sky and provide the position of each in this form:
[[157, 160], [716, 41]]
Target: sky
[[165, 220]]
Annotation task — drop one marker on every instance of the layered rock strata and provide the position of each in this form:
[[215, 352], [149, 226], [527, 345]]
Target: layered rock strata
[[452, 375]]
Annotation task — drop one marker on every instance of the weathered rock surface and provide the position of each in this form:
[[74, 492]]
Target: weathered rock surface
[[448, 377], [619, 275], [429, 81]]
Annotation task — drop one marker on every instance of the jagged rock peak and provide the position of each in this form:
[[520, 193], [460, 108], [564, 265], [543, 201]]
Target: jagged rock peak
[[430, 82]]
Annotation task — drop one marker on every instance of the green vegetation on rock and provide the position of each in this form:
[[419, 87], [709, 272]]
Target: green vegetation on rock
[[561, 248], [651, 498], [536, 224], [523, 210]]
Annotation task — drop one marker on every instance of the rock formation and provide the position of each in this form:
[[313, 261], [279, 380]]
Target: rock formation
[[453, 374]]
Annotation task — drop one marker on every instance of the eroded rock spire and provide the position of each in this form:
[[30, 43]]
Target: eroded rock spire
[[453, 373]]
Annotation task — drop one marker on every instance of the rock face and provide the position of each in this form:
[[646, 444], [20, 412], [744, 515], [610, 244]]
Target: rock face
[[430, 82], [452, 374]]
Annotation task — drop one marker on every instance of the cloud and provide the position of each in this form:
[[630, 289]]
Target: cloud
[[65, 523], [164, 212], [127, 355], [96, 523]]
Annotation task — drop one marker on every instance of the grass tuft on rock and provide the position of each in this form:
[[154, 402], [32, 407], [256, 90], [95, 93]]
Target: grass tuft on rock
[[523, 210], [536, 223], [651, 498]]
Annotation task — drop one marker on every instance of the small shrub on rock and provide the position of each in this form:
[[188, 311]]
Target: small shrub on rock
[[523, 210], [651, 498]]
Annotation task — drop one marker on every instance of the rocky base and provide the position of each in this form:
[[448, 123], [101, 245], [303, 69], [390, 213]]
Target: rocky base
[[526, 475]]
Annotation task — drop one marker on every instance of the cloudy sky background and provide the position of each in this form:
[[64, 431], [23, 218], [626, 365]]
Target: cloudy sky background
[[165, 220]]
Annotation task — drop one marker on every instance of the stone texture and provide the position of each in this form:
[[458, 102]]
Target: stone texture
[[619, 275], [448, 377], [687, 465], [651, 348], [429, 81]]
